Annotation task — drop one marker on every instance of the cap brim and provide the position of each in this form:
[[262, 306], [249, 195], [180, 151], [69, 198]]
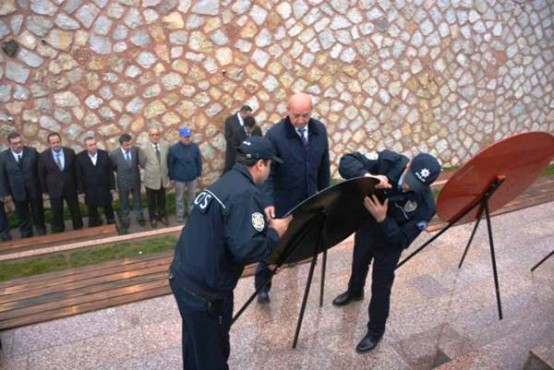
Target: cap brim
[[414, 184]]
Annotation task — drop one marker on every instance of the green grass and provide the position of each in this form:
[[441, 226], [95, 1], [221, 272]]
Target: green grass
[[549, 171], [84, 257], [32, 266]]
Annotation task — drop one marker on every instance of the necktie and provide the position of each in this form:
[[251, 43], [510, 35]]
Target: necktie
[[59, 161], [158, 155], [127, 156], [301, 131], [19, 158]]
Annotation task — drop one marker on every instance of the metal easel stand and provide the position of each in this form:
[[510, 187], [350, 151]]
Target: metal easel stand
[[483, 203]]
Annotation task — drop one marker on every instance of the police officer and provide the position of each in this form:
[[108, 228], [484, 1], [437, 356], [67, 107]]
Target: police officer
[[226, 230], [401, 210]]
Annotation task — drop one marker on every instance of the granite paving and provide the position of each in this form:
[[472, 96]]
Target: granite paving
[[441, 316]]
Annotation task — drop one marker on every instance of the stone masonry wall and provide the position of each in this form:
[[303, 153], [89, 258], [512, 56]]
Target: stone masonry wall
[[448, 77]]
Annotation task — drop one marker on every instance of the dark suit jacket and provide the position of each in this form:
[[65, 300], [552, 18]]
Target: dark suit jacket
[[234, 136], [128, 172], [20, 180], [55, 182], [304, 172], [95, 181]]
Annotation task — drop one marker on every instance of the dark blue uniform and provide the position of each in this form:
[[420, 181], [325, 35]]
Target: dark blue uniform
[[226, 230], [408, 214]]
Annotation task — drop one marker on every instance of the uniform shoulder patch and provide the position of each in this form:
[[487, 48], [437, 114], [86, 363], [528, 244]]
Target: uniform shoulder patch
[[258, 221], [421, 225], [410, 206], [372, 156]]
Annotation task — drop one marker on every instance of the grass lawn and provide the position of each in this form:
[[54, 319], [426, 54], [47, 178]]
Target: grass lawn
[[84, 257]]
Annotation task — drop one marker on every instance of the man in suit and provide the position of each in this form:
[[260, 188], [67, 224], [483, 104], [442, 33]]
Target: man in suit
[[153, 158], [57, 169], [235, 134], [96, 179], [19, 180], [301, 142], [125, 162]]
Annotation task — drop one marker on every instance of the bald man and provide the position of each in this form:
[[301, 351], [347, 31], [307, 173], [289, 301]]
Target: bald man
[[301, 142], [153, 158]]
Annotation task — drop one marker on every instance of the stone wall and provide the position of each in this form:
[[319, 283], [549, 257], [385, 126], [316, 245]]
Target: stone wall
[[448, 77]]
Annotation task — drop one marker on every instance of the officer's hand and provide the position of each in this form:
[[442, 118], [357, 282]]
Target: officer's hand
[[269, 212], [377, 209], [383, 181], [280, 224]]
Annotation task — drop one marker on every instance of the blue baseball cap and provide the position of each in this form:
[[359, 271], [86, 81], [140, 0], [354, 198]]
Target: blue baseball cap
[[184, 132], [258, 147], [423, 171]]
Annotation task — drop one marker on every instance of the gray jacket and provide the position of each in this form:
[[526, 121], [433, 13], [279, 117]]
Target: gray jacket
[[128, 172]]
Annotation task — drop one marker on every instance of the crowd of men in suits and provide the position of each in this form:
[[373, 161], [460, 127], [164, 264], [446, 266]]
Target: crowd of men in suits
[[61, 175]]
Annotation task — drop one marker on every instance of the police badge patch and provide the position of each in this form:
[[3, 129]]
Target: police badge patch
[[421, 225], [410, 206], [258, 221]]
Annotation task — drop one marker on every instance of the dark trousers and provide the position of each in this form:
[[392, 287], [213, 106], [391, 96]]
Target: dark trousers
[[4, 223], [205, 336], [156, 203], [94, 219], [27, 209], [385, 258], [124, 204], [72, 201]]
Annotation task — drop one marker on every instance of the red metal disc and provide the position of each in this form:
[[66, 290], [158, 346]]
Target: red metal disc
[[519, 159]]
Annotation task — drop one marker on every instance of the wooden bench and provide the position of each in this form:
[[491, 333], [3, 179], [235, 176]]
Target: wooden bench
[[52, 296], [37, 242]]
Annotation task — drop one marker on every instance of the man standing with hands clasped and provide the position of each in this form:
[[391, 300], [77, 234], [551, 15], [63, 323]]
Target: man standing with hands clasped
[[96, 180], [57, 172], [407, 208], [185, 167], [126, 165], [19, 179], [153, 158], [226, 230]]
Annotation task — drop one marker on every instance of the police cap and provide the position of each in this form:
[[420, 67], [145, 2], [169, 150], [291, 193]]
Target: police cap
[[423, 170], [258, 147]]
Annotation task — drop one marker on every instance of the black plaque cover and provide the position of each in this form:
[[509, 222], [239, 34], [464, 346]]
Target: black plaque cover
[[335, 213]]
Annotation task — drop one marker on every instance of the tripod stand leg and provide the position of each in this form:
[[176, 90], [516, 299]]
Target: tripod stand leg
[[305, 299], [493, 258], [249, 301], [322, 286], [541, 261], [472, 235]]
